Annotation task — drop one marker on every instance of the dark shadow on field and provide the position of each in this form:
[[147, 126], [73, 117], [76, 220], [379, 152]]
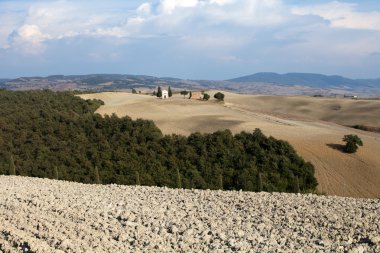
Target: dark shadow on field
[[339, 147]]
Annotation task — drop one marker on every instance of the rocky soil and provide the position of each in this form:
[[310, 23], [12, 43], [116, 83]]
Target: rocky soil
[[41, 215]]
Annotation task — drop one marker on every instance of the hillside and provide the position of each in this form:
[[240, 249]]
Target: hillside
[[58, 135], [2, 81], [42, 215], [96, 82], [311, 80], [297, 120], [261, 83]]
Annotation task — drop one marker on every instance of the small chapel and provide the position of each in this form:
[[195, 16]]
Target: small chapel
[[165, 94]]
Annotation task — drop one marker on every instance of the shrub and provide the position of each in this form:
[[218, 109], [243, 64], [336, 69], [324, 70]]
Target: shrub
[[352, 142], [219, 96], [184, 93]]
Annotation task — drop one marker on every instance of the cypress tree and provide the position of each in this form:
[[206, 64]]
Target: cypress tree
[[97, 177], [159, 92], [137, 178], [259, 183], [56, 173], [12, 167], [170, 93], [179, 184], [296, 185], [191, 94], [221, 181]]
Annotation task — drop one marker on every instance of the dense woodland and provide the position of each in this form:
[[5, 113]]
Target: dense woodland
[[50, 134]]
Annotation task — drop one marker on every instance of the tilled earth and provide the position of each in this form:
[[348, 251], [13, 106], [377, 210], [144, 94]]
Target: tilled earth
[[42, 215]]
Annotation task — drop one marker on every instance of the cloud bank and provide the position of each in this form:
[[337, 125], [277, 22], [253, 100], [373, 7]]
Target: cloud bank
[[191, 38]]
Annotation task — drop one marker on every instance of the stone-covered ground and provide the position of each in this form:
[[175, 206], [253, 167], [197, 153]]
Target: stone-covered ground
[[42, 215]]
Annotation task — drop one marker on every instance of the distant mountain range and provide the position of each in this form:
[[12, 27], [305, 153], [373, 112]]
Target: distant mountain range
[[262, 83], [305, 79]]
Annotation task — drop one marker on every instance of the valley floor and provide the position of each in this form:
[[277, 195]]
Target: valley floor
[[42, 215]]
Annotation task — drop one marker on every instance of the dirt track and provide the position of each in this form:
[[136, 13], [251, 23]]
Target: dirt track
[[295, 119]]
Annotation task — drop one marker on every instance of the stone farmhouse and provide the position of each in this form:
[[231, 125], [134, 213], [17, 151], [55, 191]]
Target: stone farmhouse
[[197, 95]]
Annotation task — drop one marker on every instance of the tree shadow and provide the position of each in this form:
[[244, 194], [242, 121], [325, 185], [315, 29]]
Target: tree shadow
[[339, 147]]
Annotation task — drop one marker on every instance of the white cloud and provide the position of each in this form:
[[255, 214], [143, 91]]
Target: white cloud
[[9, 22], [135, 21], [169, 6], [31, 34], [222, 2], [213, 25], [29, 39], [342, 15], [248, 12], [112, 32], [144, 9], [240, 12], [61, 19]]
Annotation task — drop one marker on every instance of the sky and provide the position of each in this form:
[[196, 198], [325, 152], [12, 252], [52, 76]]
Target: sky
[[189, 39]]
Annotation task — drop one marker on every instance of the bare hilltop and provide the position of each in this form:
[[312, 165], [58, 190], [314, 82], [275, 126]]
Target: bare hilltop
[[314, 126]]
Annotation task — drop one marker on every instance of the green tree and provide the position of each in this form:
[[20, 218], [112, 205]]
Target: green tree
[[352, 143], [137, 179], [12, 167], [259, 182], [97, 177], [179, 183], [47, 129], [56, 172], [296, 185], [190, 95], [219, 96], [134, 91], [221, 181], [206, 96], [184, 93], [154, 93], [159, 92], [170, 93]]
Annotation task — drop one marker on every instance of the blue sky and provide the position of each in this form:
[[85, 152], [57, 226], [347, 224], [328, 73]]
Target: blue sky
[[194, 39]]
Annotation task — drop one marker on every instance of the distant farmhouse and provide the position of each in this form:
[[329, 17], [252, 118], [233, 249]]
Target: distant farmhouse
[[351, 96], [197, 95]]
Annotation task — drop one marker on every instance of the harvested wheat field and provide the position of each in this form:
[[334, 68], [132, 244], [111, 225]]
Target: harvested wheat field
[[311, 125]]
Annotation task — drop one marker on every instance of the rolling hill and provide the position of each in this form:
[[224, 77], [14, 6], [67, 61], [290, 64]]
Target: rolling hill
[[307, 79], [260, 83], [312, 125]]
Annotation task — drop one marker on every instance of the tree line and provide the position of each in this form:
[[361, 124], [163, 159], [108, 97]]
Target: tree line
[[57, 135]]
